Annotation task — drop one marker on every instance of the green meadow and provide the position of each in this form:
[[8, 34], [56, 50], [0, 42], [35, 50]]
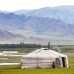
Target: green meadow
[[15, 69], [38, 71]]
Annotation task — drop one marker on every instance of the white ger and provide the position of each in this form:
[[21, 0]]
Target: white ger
[[43, 58]]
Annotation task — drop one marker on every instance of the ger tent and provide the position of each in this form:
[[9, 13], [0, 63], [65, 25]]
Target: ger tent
[[43, 58]]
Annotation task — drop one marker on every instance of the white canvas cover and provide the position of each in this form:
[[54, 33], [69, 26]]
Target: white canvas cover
[[41, 58]]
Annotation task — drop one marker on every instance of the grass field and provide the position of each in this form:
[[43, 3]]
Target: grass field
[[38, 71], [70, 59], [10, 59], [16, 69]]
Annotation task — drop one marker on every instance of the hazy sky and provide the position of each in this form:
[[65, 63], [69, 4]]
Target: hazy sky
[[13, 5]]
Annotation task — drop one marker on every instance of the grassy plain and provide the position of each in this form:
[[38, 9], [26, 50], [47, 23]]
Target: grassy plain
[[70, 59], [16, 69], [10, 59], [38, 71]]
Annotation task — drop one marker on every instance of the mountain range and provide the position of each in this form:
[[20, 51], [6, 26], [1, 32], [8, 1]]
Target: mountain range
[[65, 13], [39, 25]]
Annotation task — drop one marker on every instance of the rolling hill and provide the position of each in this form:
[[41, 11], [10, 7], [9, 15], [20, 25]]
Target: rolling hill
[[39, 25], [8, 35]]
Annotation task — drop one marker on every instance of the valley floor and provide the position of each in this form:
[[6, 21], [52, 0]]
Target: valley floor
[[38, 71]]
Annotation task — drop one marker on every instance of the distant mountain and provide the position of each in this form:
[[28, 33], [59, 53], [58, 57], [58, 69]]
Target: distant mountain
[[34, 28], [8, 35], [4, 12], [22, 12], [65, 13], [38, 25]]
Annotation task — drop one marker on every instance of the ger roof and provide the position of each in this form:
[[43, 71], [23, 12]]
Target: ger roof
[[44, 53]]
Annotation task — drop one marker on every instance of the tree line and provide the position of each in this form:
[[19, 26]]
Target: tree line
[[21, 45]]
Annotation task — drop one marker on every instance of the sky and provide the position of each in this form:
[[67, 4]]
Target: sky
[[14, 5]]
